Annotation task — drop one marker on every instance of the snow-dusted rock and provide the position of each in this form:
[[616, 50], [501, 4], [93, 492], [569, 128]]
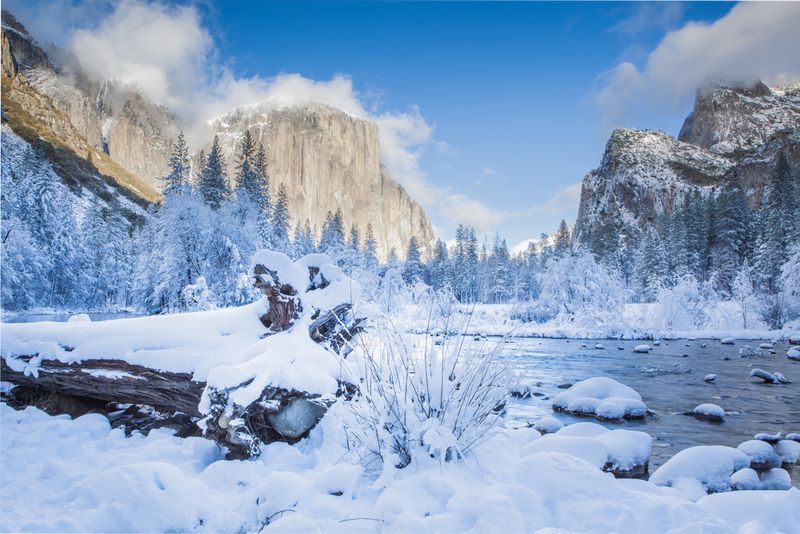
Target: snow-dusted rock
[[774, 378], [710, 377], [765, 346], [794, 339], [761, 454], [749, 352], [728, 341], [771, 479], [793, 354], [710, 412], [548, 425], [710, 466], [601, 397], [657, 343], [599, 346], [769, 438], [794, 436], [642, 349]]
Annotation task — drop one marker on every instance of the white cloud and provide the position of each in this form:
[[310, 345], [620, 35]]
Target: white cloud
[[167, 52], [563, 200], [649, 16], [464, 210], [753, 41]]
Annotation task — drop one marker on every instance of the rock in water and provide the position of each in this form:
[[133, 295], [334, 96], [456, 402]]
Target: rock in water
[[710, 377], [709, 412], [642, 349], [727, 341]]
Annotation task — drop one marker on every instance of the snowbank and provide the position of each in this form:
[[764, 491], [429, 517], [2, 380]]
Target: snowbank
[[160, 483]]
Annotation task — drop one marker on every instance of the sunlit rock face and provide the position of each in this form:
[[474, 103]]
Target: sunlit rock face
[[328, 159]]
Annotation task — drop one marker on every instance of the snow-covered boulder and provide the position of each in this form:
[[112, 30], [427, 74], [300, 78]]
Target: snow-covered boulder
[[625, 453], [548, 425], [599, 346], [794, 339], [601, 397], [761, 454], [710, 377], [773, 378], [794, 436], [642, 349], [728, 341], [706, 466], [770, 479], [766, 346], [793, 354], [709, 412], [788, 450], [769, 438]]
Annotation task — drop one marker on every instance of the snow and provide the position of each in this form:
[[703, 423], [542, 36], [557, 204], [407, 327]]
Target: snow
[[548, 425], [710, 377], [710, 465], [760, 453], [775, 378], [642, 349], [789, 450], [749, 352], [709, 410], [727, 341], [160, 483], [602, 397], [793, 354]]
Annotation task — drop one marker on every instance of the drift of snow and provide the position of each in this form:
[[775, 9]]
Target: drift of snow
[[601, 397]]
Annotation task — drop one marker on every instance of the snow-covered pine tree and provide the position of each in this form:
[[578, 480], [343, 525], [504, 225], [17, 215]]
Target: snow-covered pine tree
[[180, 168], [439, 266], [562, 239], [280, 221], [413, 270], [213, 179], [370, 251]]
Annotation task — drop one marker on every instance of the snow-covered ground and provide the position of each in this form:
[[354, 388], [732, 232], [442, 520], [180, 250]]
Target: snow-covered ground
[[638, 321], [79, 475]]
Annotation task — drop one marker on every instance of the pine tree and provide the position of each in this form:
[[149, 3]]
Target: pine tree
[[213, 180], [280, 221], [180, 168], [562, 239], [439, 267], [413, 269], [370, 249]]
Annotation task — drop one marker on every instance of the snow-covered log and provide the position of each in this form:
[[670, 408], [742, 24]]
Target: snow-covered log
[[263, 372]]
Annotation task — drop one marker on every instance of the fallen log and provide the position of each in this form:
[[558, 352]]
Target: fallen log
[[280, 412]]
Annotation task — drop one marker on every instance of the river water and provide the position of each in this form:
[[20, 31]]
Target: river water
[[670, 381]]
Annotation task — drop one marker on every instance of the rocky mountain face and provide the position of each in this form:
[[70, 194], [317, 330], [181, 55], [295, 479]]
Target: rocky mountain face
[[732, 136], [325, 158], [33, 116]]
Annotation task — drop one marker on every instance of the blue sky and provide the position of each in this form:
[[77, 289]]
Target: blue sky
[[495, 110], [507, 86]]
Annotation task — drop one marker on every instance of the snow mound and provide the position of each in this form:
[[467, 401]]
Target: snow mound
[[642, 349], [548, 425], [709, 411], [709, 465], [788, 450], [793, 354], [771, 479], [601, 397], [761, 454], [728, 341]]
